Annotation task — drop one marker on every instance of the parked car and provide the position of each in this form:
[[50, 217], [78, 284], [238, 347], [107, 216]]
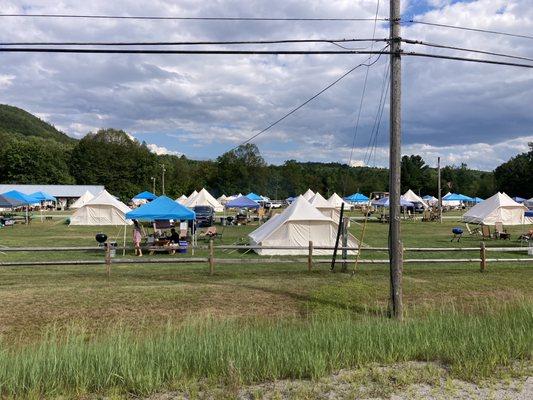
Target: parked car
[[205, 215]]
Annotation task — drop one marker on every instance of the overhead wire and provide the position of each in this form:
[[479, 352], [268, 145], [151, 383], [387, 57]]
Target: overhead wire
[[361, 101], [180, 18], [464, 28], [441, 46], [192, 43], [467, 59], [311, 98]]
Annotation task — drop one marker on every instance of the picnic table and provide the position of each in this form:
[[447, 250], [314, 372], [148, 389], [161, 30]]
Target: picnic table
[[163, 245]]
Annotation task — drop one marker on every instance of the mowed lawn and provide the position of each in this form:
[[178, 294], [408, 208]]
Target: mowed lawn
[[148, 296]]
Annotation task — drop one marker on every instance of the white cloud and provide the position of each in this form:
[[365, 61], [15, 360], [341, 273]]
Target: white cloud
[[160, 150]]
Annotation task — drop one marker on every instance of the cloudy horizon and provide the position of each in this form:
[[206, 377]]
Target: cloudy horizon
[[202, 106]]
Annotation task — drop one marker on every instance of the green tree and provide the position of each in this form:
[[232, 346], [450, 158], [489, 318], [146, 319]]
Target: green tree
[[415, 174]]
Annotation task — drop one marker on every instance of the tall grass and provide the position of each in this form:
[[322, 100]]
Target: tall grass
[[235, 351]]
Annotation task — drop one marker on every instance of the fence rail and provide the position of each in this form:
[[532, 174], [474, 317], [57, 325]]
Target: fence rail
[[310, 260]]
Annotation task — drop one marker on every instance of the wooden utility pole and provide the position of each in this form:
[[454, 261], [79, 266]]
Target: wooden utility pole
[[439, 189], [163, 170], [395, 243]]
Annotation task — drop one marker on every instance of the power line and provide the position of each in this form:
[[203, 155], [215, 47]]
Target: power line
[[474, 60], [419, 42], [464, 28], [194, 43], [178, 18], [177, 51], [311, 99]]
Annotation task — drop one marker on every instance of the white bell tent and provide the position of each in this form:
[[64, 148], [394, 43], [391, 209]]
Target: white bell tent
[[84, 199], [322, 205], [103, 209], [296, 226], [204, 198], [307, 195], [414, 198], [498, 208], [337, 201]]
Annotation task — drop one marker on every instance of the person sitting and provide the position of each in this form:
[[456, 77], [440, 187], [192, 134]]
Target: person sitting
[[174, 236]]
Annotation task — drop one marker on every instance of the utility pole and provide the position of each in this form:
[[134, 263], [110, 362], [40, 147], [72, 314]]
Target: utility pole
[[153, 184], [163, 170], [395, 243], [439, 190]]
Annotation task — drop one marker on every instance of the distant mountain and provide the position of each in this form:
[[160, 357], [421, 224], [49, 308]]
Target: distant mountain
[[14, 120]]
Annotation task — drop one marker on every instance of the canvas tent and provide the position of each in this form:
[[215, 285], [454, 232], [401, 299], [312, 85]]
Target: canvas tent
[[182, 199], [223, 199], [322, 205], [336, 201], [414, 198], [296, 226], [307, 195], [204, 198], [498, 208], [162, 208], [431, 200], [84, 199], [103, 209]]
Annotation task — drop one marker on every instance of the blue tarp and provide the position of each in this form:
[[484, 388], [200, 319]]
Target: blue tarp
[[145, 196], [254, 197], [162, 208], [21, 197], [457, 197], [384, 202], [357, 198], [6, 202], [242, 202], [42, 196], [519, 199]]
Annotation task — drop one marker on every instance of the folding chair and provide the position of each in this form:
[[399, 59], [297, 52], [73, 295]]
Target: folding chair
[[485, 232], [473, 231]]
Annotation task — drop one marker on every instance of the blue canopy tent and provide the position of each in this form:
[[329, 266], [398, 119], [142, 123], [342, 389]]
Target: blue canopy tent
[[242, 202], [384, 202], [478, 200], [24, 199], [6, 202], [427, 197], [42, 196], [519, 199], [162, 208], [254, 197], [357, 198], [458, 197], [145, 196]]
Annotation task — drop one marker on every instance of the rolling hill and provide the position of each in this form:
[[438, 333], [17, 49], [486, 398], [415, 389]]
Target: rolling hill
[[14, 120]]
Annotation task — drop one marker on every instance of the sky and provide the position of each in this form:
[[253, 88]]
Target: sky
[[204, 105]]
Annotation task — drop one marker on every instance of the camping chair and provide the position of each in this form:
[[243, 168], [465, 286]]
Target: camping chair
[[211, 233], [526, 238], [501, 233], [473, 232], [485, 232]]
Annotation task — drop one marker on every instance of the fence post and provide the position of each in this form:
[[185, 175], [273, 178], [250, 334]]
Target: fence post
[[108, 259], [310, 257], [483, 256], [211, 257]]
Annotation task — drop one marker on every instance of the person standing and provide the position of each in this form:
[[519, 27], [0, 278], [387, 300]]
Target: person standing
[[138, 233]]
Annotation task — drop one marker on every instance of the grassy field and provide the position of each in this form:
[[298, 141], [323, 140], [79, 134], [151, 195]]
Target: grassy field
[[154, 327]]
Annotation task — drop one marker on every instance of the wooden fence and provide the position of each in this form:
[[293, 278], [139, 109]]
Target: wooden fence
[[311, 259]]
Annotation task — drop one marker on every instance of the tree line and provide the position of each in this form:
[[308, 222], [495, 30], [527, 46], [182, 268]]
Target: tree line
[[126, 167]]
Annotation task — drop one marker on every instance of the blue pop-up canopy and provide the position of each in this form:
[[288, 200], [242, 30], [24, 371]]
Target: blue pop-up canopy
[[6, 202], [145, 196], [242, 202], [162, 208], [254, 197], [457, 197], [357, 198], [24, 199], [478, 200], [519, 199], [384, 202], [42, 196]]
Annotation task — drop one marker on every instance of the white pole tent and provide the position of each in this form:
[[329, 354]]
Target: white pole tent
[[307, 195], [204, 198], [103, 209], [324, 206], [337, 201], [297, 225], [223, 199], [85, 197], [414, 198], [529, 203], [498, 208], [182, 199]]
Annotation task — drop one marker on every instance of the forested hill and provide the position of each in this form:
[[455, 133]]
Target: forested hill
[[14, 120]]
